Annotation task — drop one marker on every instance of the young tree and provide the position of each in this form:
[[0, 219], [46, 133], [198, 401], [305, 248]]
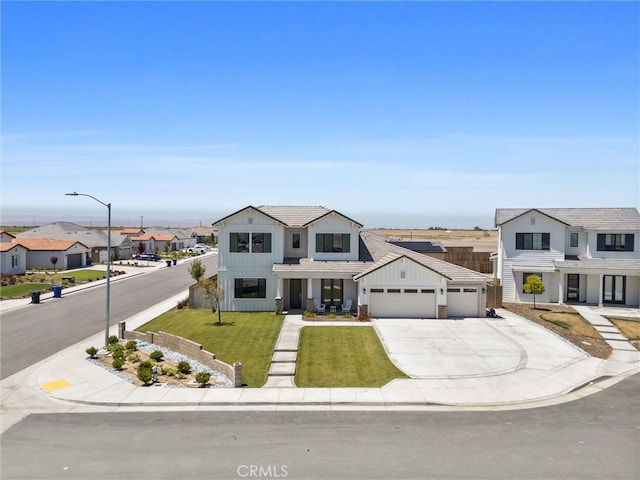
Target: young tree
[[533, 285], [196, 270], [214, 294], [54, 260]]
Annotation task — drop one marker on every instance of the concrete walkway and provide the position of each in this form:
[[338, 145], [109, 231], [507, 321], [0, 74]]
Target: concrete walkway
[[596, 317]]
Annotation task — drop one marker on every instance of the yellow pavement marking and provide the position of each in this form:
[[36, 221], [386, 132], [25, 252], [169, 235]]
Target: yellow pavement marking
[[55, 385]]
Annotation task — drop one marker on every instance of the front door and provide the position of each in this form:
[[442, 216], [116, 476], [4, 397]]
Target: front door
[[614, 287], [573, 287], [295, 293]]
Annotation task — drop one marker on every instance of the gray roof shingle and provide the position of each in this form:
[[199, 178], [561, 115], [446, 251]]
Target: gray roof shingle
[[587, 218], [384, 252]]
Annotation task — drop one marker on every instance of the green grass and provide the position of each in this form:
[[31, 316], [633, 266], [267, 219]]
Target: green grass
[[342, 357], [22, 290], [44, 281], [245, 337]]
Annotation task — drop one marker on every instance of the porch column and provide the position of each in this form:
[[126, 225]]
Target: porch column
[[601, 290], [561, 297], [310, 305], [279, 285]]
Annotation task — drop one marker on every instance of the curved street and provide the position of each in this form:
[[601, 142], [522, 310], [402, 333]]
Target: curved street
[[35, 332]]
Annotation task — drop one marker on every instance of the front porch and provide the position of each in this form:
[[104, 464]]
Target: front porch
[[308, 285]]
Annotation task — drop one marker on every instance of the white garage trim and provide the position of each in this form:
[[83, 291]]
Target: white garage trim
[[402, 302]]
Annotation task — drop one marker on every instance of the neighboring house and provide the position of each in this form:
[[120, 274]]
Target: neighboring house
[[13, 257], [297, 258], [160, 240], [588, 255], [39, 251], [121, 245], [202, 234]]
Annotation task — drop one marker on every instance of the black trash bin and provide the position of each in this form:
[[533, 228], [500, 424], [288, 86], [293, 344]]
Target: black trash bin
[[35, 296]]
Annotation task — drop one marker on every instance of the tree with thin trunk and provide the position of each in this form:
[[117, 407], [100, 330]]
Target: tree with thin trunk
[[214, 294], [533, 285], [54, 260]]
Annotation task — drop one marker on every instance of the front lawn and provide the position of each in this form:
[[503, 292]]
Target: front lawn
[[22, 290], [246, 337], [566, 322], [19, 286], [343, 357]]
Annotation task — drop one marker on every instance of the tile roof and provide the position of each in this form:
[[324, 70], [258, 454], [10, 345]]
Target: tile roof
[[587, 218], [329, 267], [69, 231], [617, 264], [46, 244], [383, 252], [294, 216], [6, 246], [291, 216]]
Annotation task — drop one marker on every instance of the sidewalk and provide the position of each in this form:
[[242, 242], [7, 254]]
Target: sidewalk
[[544, 370]]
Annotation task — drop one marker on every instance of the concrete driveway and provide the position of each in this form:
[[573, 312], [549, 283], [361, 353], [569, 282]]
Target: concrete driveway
[[472, 347]]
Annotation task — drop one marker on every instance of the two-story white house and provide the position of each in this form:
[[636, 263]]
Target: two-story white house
[[298, 258], [588, 255]]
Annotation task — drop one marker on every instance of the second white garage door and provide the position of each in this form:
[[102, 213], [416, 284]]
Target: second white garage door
[[402, 302], [463, 301]]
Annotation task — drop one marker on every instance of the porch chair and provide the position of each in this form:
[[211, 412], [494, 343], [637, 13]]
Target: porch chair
[[320, 308], [346, 307]]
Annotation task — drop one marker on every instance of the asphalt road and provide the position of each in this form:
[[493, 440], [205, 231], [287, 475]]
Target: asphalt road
[[35, 332], [597, 438]]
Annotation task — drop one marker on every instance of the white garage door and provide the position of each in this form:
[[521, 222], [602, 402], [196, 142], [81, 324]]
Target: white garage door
[[463, 301], [402, 302]]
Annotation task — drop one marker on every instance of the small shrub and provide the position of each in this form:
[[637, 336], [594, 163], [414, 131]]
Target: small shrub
[[131, 346], [183, 303], [133, 357], [92, 351], [156, 355], [348, 315], [113, 340], [118, 354], [145, 374], [117, 363], [145, 364], [331, 315], [169, 372], [115, 347], [203, 378], [309, 314], [184, 367]]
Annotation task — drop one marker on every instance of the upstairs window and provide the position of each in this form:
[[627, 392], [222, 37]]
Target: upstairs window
[[615, 242], [295, 240], [244, 242], [533, 241], [573, 239], [333, 242]]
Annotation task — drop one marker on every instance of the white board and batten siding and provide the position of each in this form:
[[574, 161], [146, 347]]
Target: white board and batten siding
[[402, 288], [516, 262], [248, 265], [334, 223]]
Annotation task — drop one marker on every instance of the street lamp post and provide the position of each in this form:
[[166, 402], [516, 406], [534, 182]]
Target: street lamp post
[[108, 205]]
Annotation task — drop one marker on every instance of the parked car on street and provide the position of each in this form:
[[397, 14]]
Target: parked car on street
[[149, 256], [198, 248]]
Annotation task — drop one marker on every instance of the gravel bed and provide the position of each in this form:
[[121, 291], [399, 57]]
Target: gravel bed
[[220, 379]]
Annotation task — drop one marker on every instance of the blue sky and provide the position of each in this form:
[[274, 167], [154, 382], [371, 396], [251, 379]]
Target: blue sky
[[398, 114]]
